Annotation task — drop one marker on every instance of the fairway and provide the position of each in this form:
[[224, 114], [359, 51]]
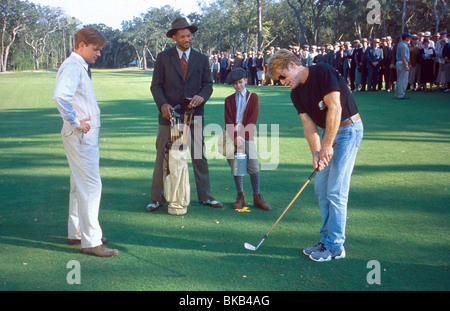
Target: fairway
[[398, 211]]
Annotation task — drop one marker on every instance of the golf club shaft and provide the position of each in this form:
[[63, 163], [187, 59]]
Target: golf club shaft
[[292, 202]]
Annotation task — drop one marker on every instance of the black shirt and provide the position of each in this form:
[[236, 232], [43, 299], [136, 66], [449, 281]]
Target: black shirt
[[322, 80]]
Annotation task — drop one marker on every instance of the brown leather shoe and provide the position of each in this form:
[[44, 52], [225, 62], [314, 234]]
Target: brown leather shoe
[[100, 251], [260, 203], [240, 201], [78, 242]]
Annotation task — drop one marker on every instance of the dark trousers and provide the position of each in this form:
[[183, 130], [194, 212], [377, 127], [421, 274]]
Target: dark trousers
[[364, 74], [254, 77], [372, 78], [223, 75], [352, 77]]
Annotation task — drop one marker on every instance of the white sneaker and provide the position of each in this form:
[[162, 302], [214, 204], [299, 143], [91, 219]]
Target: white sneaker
[[325, 254]]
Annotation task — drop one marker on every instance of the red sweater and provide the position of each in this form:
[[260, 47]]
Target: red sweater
[[249, 118]]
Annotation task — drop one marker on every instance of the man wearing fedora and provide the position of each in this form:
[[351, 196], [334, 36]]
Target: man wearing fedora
[[181, 74], [374, 55]]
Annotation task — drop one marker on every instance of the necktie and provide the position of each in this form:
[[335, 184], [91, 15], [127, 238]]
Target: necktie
[[89, 73], [184, 58], [240, 107]]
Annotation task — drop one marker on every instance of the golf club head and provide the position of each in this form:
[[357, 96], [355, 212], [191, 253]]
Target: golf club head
[[249, 246]]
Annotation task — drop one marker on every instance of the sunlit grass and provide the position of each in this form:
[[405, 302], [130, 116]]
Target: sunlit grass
[[398, 208]]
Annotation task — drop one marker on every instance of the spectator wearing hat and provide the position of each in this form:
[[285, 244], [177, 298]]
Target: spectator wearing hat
[[215, 69], [402, 66], [239, 60], [414, 74], [362, 59], [329, 59], [347, 54], [427, 55], [393, 65], [224, 64], [421, 36], [248, 67], [339, 57], [259, 68], [321, 56], [446, 56], [385, 64], [353, 63], [303, 54], [242, 108], [181, 75], [374, 56], [358, 74], [427, 35], [311, 56], [267, 57], [440, 68]]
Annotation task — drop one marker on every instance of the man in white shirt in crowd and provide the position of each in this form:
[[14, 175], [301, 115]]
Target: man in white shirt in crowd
[[75, 99]]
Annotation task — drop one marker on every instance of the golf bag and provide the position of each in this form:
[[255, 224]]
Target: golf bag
[[177, 190]]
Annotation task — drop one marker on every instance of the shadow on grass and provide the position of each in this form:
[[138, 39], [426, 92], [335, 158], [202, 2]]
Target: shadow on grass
[[387, 201]]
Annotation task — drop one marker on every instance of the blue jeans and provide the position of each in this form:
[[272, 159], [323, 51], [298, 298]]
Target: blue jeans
[[332, 185]]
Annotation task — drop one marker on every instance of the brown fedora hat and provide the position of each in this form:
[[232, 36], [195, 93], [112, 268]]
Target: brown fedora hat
[[180, 23]]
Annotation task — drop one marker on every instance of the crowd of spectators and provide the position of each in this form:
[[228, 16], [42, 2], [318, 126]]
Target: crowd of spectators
[[366, 66]]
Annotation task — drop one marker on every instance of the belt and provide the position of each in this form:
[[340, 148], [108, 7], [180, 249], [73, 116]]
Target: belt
[[351, 120]]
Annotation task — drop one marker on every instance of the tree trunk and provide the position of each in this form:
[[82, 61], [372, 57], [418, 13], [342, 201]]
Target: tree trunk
[[403, 16], [259, 25], [5, 49], [298, 12]]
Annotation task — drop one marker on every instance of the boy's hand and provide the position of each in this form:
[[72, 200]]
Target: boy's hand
[[240, 144]]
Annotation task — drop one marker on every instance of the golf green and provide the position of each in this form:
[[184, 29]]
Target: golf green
[[398, 211]]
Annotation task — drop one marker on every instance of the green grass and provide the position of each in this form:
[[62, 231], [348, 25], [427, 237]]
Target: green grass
[[398, 211]]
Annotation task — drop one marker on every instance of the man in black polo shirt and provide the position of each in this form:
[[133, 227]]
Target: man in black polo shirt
[[322, 99]]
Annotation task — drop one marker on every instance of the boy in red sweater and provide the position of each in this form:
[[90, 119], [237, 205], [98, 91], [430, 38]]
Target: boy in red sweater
[[243, 107]]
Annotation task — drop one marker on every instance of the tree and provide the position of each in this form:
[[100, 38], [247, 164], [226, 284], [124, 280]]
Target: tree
[[42, 22], [150, 29], [298, 12], [13, 15], [442, 6], [258, 5], [318, 8]]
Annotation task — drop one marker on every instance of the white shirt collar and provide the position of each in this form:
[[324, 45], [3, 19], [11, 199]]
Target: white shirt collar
[[243, 93], [180, 53], [81, 59]]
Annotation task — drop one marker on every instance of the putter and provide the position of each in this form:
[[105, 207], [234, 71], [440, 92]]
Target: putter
[[254, 248]]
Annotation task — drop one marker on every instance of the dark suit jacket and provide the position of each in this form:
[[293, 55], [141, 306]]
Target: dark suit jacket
[[169, 87]]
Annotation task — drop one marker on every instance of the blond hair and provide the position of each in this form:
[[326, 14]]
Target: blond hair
[[90, 35], [280, 60]]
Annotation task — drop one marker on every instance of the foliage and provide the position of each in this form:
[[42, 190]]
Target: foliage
[[47, 33]]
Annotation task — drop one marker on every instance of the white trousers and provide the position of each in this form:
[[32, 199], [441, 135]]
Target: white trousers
[[83, 155]]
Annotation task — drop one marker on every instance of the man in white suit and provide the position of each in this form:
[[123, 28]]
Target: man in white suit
[[75, 99]]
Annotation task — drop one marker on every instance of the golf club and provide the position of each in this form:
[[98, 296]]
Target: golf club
[[253, 248]]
